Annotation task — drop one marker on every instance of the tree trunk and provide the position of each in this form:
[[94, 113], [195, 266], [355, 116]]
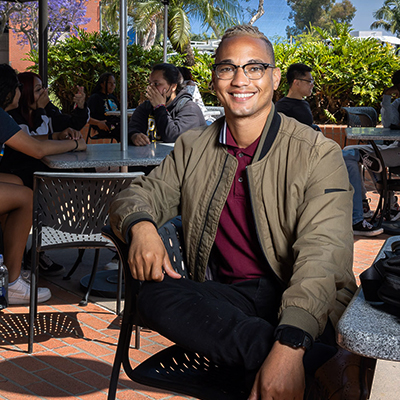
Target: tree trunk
[[259, 13], [149, 37], [189, 55]]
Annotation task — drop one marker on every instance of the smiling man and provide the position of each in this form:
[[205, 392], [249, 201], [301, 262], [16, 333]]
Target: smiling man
[[266, 212]]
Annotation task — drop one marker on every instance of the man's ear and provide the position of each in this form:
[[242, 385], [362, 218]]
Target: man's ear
[[276, 76]]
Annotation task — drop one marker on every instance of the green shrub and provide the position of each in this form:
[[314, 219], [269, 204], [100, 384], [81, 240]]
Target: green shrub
[[347, 71]]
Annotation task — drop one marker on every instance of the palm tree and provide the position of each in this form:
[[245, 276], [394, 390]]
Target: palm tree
[[149, 14], [388, 17]]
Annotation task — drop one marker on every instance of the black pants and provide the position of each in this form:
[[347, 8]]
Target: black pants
[[230, 324]]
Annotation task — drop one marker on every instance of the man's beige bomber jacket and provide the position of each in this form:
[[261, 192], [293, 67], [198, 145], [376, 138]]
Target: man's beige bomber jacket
[[302, 205]]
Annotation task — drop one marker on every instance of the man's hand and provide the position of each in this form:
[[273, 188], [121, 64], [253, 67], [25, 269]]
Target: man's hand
[[281, 377], [148, 258], [140, 139]]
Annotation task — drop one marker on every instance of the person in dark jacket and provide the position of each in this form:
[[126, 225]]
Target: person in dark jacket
[[101, 101], [301, 84], [169, 110]]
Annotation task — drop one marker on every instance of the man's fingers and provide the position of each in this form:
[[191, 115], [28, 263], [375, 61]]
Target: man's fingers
[[168, 268]]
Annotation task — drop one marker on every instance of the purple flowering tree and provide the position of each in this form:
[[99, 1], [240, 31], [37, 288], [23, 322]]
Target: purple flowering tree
[[23, 19]]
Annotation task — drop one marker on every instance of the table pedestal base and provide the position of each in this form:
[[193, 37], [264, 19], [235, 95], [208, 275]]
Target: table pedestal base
[[105, 284]]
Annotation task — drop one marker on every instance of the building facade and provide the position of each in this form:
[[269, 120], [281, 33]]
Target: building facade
[[14, 54]]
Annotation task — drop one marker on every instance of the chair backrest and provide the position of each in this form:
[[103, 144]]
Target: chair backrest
[[94, 134], [76, 202], [361, 116]]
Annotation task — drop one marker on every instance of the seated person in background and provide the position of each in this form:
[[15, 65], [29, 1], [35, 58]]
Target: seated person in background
[[16, 199], [356, 155], [301, 84], [30, 114], [353, 158], [266, 212], [390, 110], [169, 110], [102, 100]]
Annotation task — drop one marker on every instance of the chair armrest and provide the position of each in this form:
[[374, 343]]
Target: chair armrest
[[122, 247]]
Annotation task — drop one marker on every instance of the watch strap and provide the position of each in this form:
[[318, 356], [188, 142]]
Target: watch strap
[[293, 337]]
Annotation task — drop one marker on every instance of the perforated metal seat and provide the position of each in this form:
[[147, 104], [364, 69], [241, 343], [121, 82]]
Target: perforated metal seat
[[69, 210]]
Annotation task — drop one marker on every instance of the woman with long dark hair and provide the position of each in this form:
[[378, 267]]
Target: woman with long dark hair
[[39, 117], [169, 110], [30, 114], [102, 100], [15, 198]]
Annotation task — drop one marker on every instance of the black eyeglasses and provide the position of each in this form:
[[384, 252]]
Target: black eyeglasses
[[306, 80], [226, 71]]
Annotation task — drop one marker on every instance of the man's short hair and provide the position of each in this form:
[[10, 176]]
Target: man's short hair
[[296, 71], [396, 78], [247, 30]]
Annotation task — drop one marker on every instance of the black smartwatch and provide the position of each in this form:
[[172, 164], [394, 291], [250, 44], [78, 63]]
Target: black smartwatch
[[293, 337]]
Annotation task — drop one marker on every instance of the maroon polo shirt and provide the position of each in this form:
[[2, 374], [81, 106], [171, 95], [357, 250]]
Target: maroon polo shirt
[[236, 238]]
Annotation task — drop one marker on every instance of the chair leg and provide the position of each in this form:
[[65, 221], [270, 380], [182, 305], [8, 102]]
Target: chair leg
[[75, 266], [119, 287], [33, 299], [84, 301], [121, 355], [137, 337]]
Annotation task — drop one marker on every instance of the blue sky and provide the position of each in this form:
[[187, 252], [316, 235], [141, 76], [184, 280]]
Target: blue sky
[[274, 21]]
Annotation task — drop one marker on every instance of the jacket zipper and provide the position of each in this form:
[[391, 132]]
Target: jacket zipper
[[208, 212], [258, 236]]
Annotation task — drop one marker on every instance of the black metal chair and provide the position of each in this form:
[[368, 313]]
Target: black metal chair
[[94, 134], [173, 368], [69, 210], [361, 116]]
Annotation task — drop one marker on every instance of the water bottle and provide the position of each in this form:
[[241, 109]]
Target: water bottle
[[3, 284]]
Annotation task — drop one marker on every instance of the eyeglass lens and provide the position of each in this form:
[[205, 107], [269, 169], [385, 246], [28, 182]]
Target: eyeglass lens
[[228, 71]]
